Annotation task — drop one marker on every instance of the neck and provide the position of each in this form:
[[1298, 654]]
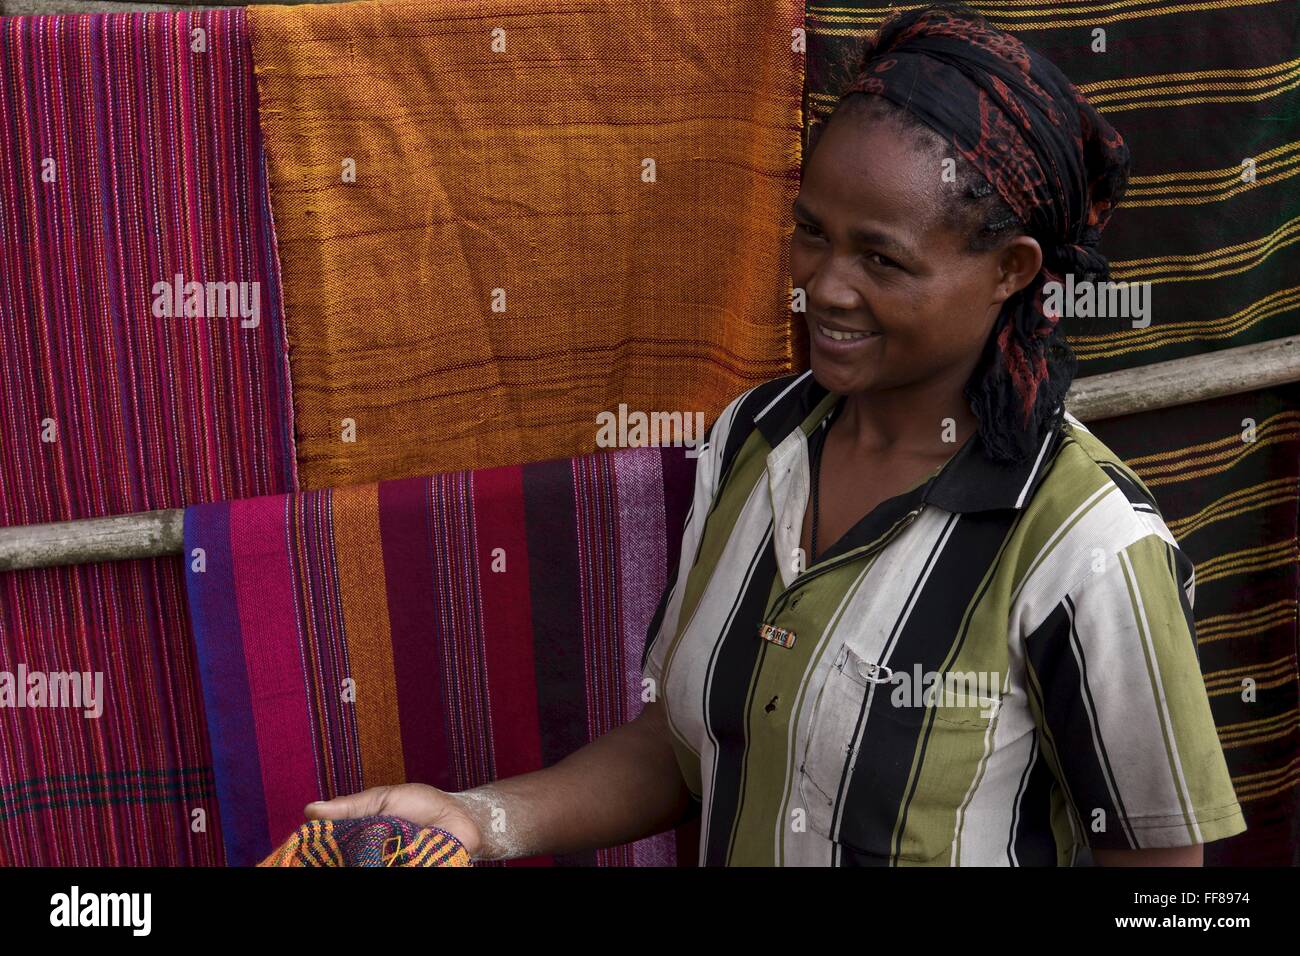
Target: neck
[[909, 422]]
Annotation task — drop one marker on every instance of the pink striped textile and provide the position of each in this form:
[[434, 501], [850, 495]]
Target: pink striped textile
[[449, 630], [132, 181]]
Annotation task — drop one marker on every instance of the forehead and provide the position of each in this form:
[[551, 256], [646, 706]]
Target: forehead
[[869, 171]]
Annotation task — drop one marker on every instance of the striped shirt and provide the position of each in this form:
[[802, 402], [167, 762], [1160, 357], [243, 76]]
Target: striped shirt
[[995, 667]]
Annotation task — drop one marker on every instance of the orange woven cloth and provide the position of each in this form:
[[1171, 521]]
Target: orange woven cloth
[[558, 207]]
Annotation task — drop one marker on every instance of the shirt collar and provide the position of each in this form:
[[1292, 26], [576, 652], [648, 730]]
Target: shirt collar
[[970, 481]]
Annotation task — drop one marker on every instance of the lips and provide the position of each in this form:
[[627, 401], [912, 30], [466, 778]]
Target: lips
[[835, 334]]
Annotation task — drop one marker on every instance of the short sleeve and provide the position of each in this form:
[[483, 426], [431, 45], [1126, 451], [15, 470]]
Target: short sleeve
[[708, 466], [1117, 693]]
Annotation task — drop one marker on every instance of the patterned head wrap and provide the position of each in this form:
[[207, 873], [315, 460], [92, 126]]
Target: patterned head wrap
[[1015, 117]]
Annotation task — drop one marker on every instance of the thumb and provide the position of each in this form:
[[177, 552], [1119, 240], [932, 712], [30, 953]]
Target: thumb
[[367, 803]]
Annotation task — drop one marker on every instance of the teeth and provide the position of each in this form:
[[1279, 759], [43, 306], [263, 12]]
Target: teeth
[[842, 336]]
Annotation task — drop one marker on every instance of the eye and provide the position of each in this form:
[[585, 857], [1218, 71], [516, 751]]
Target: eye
[[883, 262], [812, 231]]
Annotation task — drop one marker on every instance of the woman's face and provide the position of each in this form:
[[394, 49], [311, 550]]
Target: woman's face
[[880, 265]]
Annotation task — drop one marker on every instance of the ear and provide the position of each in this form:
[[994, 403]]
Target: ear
[[1018, 263]]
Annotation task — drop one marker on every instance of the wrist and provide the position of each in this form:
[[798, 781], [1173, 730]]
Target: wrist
[[479, 805]]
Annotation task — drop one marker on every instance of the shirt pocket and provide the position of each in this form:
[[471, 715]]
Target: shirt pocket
[[954, 752], [832, 726]]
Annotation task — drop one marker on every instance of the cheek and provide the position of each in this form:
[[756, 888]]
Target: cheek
[[937, 320]]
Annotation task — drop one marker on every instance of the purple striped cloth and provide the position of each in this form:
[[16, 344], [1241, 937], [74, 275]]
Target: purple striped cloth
[[450, 630], [144, 366]]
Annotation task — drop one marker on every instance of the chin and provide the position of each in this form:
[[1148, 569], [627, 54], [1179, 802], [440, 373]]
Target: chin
[[837, 377]]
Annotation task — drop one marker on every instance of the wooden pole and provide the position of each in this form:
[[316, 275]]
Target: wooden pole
[[1245, 368], [154, 534], [146, 534]]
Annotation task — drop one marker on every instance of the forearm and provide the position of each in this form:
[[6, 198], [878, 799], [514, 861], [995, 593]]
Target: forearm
[[1171, 856], [622, 786]]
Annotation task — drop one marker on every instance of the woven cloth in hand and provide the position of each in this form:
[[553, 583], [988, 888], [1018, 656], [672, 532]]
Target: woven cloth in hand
[[368, 841]]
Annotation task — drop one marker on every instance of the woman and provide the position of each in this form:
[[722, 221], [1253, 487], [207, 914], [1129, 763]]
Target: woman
[[922, 615]]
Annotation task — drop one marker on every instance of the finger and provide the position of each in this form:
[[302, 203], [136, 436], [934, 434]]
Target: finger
[[367, 803]]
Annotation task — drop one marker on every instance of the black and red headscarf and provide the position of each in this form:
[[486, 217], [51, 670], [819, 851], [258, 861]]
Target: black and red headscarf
[[1014, 116]]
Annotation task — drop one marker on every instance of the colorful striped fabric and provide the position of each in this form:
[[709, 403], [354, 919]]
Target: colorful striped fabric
[[500, 220], [370, 842], [130, 154], [448, 630], [1225, 473], [1207, 96]]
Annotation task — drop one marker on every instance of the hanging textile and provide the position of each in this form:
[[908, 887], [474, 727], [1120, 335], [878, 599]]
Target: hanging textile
[[450, 630], [1208, 101], [1225, 473], [498, 222], [144, 367]]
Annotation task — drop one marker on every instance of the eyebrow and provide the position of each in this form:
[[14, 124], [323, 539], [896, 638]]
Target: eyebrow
[[865, 235]]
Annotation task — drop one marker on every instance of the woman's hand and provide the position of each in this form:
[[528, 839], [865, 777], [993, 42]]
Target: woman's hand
[[619, 788], [423, 805]]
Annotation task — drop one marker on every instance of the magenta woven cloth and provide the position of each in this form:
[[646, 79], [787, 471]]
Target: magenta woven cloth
[[449, 630], [144, 366]]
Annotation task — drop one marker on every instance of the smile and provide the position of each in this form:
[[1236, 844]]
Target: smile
[[836, 335]]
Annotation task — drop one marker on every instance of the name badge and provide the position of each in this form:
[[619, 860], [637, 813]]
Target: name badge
[[776, 635]]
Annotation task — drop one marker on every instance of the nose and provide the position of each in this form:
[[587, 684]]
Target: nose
[[828, 288]]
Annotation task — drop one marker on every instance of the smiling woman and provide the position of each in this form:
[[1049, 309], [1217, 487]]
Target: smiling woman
[[949, 196], [921, 502], [975, 532]]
